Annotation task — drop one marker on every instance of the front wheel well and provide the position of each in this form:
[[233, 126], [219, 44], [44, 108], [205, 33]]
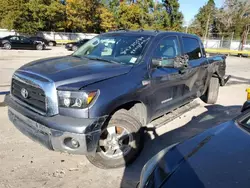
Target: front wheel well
[[216, 75], [135, 108]]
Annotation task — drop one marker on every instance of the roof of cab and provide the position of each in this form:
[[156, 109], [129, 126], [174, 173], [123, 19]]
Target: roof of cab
[[150, 32]]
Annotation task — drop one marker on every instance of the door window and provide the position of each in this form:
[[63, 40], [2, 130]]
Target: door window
[[24, 40], [14, 38], [192, 48], [167, 50]]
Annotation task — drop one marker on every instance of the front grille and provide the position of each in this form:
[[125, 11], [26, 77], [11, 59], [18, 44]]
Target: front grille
[[36, 96]]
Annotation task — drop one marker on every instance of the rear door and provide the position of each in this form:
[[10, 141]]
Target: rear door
[[196, 73]]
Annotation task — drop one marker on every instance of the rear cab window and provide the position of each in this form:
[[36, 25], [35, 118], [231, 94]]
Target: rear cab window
[[192, 48]]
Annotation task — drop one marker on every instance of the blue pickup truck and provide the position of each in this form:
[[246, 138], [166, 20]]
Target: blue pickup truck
[[96, 101]]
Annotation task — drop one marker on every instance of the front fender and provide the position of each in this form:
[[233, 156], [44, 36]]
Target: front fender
[[115, 93]]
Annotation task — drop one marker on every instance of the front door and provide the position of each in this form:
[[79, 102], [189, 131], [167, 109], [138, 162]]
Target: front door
[[166, 83]]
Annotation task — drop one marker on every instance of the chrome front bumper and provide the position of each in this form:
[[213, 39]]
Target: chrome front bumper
[[55, 132]]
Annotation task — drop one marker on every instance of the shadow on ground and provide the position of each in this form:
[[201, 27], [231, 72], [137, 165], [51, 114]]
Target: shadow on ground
[[235, 80], [214, 115]]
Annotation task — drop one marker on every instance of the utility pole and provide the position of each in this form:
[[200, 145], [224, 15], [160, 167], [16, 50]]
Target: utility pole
[[187, 23], [187, 29], [232, 38], [207, 25], [244, 37]]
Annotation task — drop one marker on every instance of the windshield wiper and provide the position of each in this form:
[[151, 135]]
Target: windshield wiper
[[79, 56], [76, 56], [101, 59]]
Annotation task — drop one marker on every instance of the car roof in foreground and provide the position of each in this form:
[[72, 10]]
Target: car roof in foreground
[[219, 157]]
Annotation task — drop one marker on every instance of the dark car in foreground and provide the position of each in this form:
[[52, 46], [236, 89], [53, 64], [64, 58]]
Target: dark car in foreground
[[218, 157], [21, 42], [48, 42], [96, 101], [73, 46]]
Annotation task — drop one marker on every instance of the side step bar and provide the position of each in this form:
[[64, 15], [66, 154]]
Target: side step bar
[[161, 121]]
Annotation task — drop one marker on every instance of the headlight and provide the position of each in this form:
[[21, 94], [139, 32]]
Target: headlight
[[150, 166], [70, 45], [75, 99]]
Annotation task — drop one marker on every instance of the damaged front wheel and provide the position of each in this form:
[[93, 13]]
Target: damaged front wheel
[[119, 143]]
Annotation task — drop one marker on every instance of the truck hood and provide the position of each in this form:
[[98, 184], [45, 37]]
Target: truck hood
[[73, 71]]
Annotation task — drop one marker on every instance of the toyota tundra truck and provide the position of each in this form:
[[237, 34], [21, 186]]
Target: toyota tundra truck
[[96, 101]]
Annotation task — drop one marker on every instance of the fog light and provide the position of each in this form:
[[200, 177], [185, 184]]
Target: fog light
[[74, 143]]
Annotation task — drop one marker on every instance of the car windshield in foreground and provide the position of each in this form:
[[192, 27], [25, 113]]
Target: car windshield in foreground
[[122, 49]]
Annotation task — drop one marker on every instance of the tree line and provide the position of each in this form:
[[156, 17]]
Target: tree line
[[30, 16], [232, 20]]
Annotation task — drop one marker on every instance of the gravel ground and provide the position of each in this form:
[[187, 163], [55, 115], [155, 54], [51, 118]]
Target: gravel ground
[[24, 163]]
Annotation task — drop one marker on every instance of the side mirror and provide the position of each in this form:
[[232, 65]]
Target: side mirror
[[166, 63], [179, 62], [156, 63]]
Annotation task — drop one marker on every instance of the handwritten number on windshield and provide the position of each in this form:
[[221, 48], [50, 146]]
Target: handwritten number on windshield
[[135, 46]]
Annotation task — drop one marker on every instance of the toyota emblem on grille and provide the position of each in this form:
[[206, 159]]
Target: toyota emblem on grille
[[24, 93]]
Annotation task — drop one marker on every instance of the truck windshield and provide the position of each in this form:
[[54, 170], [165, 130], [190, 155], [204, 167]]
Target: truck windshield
[[125, 49]]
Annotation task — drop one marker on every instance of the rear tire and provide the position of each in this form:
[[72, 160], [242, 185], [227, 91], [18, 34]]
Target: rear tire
[[120, 122], [51, 44], [211, 95], [74, 48], [7, 46]]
